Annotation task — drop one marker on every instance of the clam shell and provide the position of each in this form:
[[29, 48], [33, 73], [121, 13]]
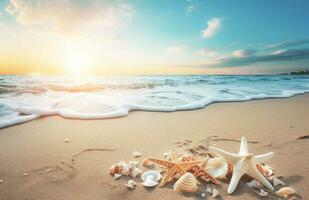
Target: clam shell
[[286, 192], [186, 183], [185, 158], [119, 168], [147, 163], [217, 167], [152, 175], [149, 183]]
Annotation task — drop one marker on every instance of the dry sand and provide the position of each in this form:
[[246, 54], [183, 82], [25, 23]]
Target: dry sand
[[38, 149]]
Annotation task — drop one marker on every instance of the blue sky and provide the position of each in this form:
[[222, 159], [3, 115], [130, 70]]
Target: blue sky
[[199, 35]]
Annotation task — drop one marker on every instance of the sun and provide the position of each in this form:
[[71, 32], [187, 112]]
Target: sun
[[77, 59]]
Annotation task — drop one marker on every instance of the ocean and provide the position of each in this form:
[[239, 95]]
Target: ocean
[[25, 98]]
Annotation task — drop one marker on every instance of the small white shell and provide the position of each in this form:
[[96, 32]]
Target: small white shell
[[66, 140], [203, 195], [151, 174], [25, 174], [215, 193], [254, 184], [209, 190], [1, 181], [133, 163], [136, 154], [263, 193], [131, 184], [277, 182], [217, 167], [286, 192], [149, 183], [134, 172], [117, 176]]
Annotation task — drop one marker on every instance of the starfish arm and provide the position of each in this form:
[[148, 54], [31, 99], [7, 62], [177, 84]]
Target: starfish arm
[[168, 176], [238, 172], [188, 165], [227, 155], [262, 158], [243, 146], [254, 173], [163, 163]]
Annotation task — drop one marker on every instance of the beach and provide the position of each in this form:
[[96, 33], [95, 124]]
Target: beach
[[36, 162]]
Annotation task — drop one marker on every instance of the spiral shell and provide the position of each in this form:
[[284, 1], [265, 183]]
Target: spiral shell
[[186, 183], [119, 168]]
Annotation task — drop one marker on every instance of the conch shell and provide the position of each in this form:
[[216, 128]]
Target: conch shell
[[286, 192], [119, 168], [186, 183], [185, 158], [217, 167]]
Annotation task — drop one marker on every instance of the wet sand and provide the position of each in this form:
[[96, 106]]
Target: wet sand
[[38, 149]]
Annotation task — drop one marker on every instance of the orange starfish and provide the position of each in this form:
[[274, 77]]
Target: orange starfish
[[173, 168], [199, 171]]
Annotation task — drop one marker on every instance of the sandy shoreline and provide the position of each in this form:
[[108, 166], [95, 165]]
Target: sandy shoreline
[[38, 146]]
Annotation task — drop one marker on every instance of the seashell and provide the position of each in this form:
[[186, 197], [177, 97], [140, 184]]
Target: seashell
[[263, 193], [277, 182], [151, 174], [186, 183], [203, 195], [215, 193], [286, 192], [254, 184], [265, 169], [185, 158], [136, 154], [117, 176], [25, 174], [134, 172], [217, 167], [1, 181], [119, 168], [147, 163], [66, 140], [131, 184], [133, 163], [168, 155], [150, 183], [209, 190]]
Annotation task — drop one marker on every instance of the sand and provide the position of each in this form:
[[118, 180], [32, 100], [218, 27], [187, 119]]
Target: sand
[[38, 149]]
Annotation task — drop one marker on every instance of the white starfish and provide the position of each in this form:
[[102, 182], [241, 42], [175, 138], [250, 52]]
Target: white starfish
[[244, 163]]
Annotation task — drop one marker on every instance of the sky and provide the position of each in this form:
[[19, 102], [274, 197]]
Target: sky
[[124, 37]]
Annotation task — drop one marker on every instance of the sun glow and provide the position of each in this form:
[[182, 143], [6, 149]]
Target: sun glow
[[77, 59]]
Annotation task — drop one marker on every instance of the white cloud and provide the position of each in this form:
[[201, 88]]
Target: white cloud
[[175, 49], [213, 26], [190, 8], [63, 16], [278, 52], [206, 52], [242, 53]]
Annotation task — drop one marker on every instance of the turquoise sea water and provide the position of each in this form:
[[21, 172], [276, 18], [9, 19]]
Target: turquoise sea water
[[24, 98]]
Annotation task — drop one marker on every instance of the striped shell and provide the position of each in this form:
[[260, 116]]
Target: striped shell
[[119, 168], [186, 158], [186, 183]]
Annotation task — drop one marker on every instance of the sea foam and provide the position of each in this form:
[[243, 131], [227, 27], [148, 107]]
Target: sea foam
[[24, 98]]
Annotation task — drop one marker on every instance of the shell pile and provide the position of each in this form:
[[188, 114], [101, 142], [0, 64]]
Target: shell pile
[[186, 183], [122, 168]]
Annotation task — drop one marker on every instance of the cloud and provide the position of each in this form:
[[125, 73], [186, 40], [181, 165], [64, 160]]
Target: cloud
[[69, 16], [244, 53], [213, 26], [190, 8], [287, 55], [206, 52], [287, 44], [175, 49]]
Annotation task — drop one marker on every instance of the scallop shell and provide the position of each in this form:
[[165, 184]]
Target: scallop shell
[[151, 174], [286, 192], [217, 167], [150, 183], [186, 183], [185, 158], [134, 172], [119, 168]]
